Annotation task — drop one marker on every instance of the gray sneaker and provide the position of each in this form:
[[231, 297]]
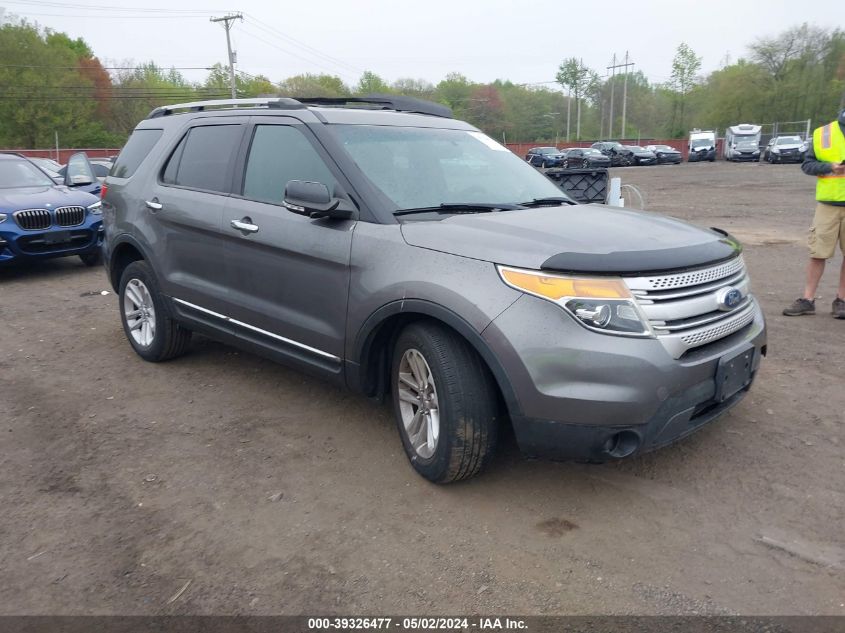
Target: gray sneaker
[[800, 306], [838, 308]]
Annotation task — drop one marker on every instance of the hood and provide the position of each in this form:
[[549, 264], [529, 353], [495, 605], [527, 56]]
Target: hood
[[581, 238], [789, 146], [43, 197]]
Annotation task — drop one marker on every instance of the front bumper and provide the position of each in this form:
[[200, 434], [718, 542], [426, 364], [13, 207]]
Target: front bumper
[[695, 157], [18, 245], [593, 397]]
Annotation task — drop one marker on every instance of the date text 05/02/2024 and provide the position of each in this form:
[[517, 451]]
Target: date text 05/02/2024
[[417, 623]]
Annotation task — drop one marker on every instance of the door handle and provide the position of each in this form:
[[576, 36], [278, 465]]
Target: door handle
[[244, 225], [154, 204]]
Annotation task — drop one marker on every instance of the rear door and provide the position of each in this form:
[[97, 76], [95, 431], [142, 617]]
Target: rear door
[[288, 279], [184, 206]]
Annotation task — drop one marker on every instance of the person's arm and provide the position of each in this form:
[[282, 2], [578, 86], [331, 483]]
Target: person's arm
[[815, 167]]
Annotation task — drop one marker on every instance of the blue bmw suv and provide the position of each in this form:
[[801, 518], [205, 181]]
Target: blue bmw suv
[[40, 219]]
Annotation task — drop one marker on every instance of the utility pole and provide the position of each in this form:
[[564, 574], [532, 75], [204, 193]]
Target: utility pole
[[227, 24], [624, 92], [568, 113], [612, 69]]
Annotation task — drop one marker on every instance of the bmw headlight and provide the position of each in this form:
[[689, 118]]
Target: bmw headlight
[[602, 304], [96, 208]]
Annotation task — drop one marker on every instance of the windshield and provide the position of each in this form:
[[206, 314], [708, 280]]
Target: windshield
[[702, 142], [22, 173], [427, 167], [548, 150], [746, 140], [592, 152], [788, 140], [665, 148]]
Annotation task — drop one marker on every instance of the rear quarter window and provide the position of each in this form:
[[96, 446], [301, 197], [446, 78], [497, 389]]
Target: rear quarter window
[[137, 148]]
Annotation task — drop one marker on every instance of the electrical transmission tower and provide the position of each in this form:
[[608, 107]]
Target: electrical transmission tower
[[613, 68], [227, 24]]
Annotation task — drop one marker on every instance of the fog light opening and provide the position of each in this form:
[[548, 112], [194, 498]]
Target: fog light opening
[[622, 444]]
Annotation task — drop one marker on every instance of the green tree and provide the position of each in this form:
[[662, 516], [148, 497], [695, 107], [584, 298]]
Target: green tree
[[309, 85], [685, 67], [370, 83], [573, 75]]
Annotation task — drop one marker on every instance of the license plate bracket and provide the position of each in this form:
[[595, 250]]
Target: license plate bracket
[[57, 237], [734, 373]]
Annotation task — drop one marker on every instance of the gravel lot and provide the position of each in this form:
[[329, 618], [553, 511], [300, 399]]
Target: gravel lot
[[222, 483]]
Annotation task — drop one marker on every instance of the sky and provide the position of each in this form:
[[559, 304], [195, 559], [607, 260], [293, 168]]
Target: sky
[[523, 41]]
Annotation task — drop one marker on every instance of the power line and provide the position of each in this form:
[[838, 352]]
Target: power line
[[109, 67], [257, 37], [98, 7], [313, 51]]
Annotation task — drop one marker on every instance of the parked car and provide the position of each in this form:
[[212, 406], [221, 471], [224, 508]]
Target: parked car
[[99, 170], [619, 155], [346, 241], [785, 149], [40, 219], [50, 166], [545, 157], [665, 154], [642, 156], [101, 167], [585, 158]]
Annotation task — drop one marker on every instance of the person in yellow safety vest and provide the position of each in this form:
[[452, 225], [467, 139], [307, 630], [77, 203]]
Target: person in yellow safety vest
[[825, 159]]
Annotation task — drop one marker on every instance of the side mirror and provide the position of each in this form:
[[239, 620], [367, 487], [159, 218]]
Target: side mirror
[[78, 171], [314, 200]]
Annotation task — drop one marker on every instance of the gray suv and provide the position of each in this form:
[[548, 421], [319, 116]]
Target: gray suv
[[381, 244]]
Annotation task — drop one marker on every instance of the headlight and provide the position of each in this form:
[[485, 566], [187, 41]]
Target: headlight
[[600, 304], [96, 208], [775, 150]]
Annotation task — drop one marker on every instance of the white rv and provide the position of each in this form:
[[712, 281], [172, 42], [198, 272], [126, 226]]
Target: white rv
[[742, 142], [701, 146]]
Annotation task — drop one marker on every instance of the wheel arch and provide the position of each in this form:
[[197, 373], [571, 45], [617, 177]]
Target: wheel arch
[[368, 366], [125, 251]]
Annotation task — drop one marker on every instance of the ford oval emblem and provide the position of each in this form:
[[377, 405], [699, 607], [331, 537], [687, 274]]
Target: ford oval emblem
[[729, 298]]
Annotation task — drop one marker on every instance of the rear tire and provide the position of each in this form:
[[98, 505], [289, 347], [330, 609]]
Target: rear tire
[[457, 397], [153, 333]]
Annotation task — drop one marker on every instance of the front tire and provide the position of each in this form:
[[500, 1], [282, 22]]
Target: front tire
[[444, 402], [147, 323], [91, 259]]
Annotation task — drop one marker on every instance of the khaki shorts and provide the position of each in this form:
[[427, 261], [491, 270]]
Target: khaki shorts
[[828, 228]]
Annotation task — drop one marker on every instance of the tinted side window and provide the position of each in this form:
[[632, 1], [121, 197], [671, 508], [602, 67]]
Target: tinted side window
[[277, 155], [168, 176], [137, 148], [203, 163]]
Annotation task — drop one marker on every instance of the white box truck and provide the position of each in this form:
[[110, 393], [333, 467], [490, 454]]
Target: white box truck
[[701, 146], [742, 142]]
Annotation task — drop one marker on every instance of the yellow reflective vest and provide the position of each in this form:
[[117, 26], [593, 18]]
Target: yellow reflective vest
[[829, 147]]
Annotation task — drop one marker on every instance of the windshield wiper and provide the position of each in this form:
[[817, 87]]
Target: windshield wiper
[[547, 202], [461, 207]]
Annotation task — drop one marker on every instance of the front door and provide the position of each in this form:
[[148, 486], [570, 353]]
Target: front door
[[287, 274]]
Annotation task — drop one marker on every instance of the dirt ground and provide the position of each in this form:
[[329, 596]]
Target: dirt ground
[[222, 483]]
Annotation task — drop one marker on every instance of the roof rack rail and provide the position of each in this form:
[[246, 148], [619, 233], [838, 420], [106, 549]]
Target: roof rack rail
[[281, 103], [399, 103]]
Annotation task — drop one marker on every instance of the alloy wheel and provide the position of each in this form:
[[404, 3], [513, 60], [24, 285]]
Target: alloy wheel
[[139, 311], [418, 404]]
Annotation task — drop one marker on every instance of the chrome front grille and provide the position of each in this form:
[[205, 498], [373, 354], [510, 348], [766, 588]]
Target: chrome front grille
[[70, 216], [33, 219], [685, 309]]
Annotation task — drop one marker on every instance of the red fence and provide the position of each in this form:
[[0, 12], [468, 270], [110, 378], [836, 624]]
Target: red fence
[[521, 149], [64, 154]]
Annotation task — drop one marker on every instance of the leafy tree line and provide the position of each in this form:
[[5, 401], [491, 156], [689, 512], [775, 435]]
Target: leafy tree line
[[52, 83]]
